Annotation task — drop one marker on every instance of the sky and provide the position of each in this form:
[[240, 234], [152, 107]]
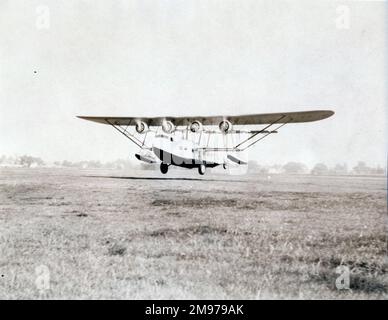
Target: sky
[[59, 59]]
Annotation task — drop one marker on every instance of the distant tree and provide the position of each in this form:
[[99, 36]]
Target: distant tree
[[361, 168], [25, 161], [320, 169], [275, 169], [340, 169], [295, 167], [264, 170], [28, 161], [380, 170], [39, 161], [94, 164], [79, 164], [376, 170], [66, 163]]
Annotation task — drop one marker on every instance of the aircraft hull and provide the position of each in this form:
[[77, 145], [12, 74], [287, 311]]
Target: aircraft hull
[[176, 160], [179, 153]]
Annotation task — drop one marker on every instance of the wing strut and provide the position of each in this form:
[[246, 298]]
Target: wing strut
[[255, 133], [127, 134], [261, 138]]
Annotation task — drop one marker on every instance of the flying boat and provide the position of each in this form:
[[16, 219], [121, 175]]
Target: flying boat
[[202, 141]]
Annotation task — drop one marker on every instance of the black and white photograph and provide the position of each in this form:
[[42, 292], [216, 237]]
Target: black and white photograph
[[193, 150]]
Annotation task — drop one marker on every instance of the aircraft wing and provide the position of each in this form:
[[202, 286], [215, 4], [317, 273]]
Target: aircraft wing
[[248, 119]]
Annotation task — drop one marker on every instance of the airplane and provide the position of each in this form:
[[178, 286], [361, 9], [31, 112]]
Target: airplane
[[186, 141]]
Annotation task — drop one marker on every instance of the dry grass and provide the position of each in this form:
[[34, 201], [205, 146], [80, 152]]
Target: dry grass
[[220, 237]]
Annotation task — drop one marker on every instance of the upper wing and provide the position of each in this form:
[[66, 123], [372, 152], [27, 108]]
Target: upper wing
[[249, 119]]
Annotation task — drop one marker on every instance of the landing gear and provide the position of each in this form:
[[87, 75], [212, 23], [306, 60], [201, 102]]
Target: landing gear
[[202, 169], [225, 166], [163, 168]]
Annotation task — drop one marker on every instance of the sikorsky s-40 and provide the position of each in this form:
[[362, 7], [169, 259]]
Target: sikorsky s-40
[[203, 141]]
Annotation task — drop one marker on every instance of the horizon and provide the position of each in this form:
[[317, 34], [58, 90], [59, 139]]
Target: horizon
[[136, 162]]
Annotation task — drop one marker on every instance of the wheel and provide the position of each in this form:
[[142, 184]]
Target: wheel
[[202, 169], [225, 166], [163, 168]]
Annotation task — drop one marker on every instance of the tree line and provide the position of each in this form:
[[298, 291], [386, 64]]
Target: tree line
[[318, 169], [362, 168]]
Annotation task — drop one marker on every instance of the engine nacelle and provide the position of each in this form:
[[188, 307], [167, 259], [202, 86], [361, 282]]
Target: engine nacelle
[[225, 126], [141, 127], [196, 126], [168, 127]]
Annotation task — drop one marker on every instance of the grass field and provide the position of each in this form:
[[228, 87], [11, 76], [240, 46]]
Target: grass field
[[102, 234]]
